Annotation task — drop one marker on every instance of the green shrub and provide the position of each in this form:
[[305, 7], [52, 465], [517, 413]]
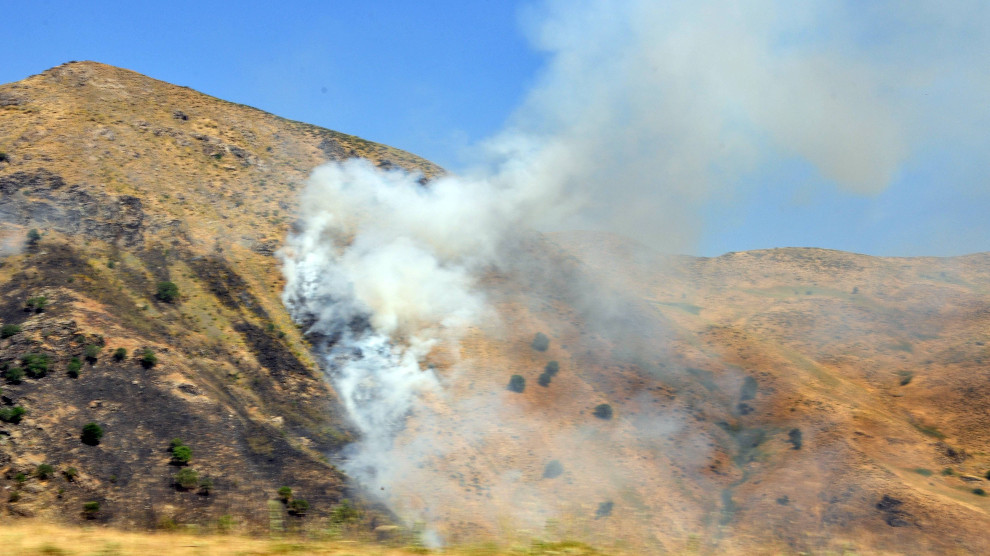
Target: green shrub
[[181, 454], [979, 492], [948, 472], [148, 359], [90, 509], [111, 263], [36, 304], [71, 474], [552, 368], [544, 379], [9, 330], [33, 236], [12, 415], [120, 354], [344, 512], [298, 507], [603, 411], [44, 471], [21, 478], [186, 478], [14, 375], [4, 157], [14, 496], [35, 364], [540, 342], [91, 434], [167, 291], [517, 384], [74, 365], [284, 494], [92, 352], [206, 486]]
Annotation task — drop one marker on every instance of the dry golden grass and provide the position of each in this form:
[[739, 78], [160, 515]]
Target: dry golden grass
[[27, 537]]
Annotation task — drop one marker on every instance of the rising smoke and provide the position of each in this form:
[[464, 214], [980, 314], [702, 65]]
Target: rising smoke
[[645, 113]]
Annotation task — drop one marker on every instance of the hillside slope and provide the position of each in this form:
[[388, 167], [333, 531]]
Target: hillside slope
[[784, 400], [132, 182]]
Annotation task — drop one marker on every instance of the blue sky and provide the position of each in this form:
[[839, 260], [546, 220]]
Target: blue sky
[[712, 127]]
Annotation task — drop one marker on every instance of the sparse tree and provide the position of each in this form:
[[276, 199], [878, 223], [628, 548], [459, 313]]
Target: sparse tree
[[540, 342], [74, 365], [148, 359], [517, 384], [167, 291], [91, 434], [603, 411], [92, 353], [186, 478]]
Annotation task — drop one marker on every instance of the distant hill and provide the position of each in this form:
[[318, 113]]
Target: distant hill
[[784, 400]]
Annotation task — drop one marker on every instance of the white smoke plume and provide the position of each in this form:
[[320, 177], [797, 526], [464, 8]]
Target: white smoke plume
[[646, 112]]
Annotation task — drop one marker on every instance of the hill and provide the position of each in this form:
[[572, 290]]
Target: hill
[[783, 400], [133, 182]]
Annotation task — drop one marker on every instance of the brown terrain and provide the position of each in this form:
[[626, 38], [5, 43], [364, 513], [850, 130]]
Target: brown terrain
[[781, 401]]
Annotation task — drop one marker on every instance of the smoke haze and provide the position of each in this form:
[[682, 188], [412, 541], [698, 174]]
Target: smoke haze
[[646, 112]]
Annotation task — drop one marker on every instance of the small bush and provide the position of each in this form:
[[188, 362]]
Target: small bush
[[206, 486], [12, 415], [603, 411], [90, 509], [540, 342], [979, 492], [181, 454], [4, 157], [14, 375], [36, 304], [186, 478], [74, 365], [795, 438], [544, 379], [517, 384], [91, 434], [44, 472], [948, 472], [344, 512], [14, 496], [553, 469], [92, 353], [552, 368], [21, 478], [71, 474], [35, 364], [167, 291], [285, 494], [604, 509], [148, 359], [119, 354], [298, 507], [33, 236], [9, 330]]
